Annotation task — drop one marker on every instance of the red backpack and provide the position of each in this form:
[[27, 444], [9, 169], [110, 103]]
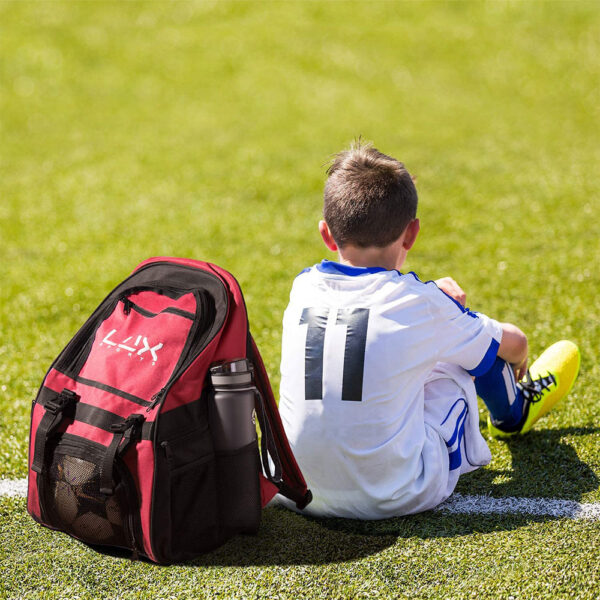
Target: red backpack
[[123, 446]]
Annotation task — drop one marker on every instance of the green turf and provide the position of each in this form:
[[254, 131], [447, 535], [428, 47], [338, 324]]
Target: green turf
[[428, 556], [201, 129]]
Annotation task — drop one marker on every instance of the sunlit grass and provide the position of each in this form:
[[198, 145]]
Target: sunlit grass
[[202, 129]]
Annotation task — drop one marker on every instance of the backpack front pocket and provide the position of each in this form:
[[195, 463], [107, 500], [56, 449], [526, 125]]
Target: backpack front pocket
[[72, 502], [135, 350]]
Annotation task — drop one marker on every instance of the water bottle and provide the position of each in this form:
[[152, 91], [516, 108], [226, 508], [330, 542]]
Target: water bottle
[[231, 411]]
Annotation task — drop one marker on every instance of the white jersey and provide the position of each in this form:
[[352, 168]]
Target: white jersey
[[360, 346]]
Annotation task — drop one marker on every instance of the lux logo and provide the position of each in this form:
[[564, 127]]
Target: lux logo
[[140, 339]]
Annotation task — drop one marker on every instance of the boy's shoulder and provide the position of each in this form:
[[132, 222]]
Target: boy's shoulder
[[328, 269], [328, 276], [343, 275]]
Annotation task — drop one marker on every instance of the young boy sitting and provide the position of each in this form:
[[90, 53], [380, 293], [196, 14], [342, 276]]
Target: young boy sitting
[[380, 371]]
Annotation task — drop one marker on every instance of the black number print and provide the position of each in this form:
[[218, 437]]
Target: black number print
[[313, 354], [356, 321]]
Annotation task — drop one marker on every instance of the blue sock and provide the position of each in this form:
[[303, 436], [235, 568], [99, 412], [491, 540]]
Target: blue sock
[[498, 389]]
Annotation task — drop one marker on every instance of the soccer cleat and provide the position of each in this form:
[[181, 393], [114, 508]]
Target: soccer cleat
[[549, 379]]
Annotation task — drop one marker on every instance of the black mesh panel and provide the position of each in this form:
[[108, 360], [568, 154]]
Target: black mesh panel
[[74, 504]]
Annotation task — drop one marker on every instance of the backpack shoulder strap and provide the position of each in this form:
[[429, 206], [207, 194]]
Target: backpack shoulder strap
[[287, 479]]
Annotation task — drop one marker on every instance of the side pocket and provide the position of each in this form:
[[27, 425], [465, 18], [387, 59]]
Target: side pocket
[[193, 494], [239, 490]]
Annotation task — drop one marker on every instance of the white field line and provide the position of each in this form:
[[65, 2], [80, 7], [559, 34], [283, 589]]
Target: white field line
[[457, 503], [13, 487], [569, 509]]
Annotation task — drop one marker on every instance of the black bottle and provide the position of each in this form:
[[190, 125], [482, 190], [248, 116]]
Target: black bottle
[[231, 411]]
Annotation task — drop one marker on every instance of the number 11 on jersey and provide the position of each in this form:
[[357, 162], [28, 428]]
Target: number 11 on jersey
[[356, 321]]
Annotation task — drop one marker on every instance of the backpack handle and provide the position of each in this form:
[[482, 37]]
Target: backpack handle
[[267, 442]]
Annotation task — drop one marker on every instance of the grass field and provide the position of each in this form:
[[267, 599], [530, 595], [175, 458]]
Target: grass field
[[129, 130]]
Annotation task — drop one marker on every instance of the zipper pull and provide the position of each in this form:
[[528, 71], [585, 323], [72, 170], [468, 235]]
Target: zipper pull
[[135, 555], [126, 305], [165, 446], [155, 399]]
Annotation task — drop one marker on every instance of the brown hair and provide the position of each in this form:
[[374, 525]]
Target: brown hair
[[369, 197]]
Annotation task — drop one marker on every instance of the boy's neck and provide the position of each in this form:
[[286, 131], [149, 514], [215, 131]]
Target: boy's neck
[[389, 257]]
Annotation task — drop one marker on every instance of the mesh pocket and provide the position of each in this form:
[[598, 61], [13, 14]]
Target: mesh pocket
[[73, 502]]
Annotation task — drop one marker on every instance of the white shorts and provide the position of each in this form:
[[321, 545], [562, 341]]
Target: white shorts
[[452, 414]]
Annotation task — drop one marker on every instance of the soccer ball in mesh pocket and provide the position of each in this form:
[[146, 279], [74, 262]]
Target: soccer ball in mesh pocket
[[84, 511]]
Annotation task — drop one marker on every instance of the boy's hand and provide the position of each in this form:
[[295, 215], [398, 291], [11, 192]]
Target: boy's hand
[[520, 370], [448, 285]]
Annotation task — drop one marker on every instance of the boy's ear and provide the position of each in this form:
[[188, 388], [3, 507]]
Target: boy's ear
[[327, 237], [412, 230]]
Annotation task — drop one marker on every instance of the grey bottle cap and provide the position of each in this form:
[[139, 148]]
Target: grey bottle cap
[[235, 372], [236, 365]]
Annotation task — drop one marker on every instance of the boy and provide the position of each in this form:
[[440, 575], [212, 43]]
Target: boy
[[380, 372]]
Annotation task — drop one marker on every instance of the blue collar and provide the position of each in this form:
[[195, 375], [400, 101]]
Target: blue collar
[[335, 268]]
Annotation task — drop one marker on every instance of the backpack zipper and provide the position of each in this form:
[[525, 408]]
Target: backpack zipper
[[202, 316], [128, 306], [133, 508], [85, 334]]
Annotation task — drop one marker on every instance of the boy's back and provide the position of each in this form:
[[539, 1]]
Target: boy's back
[[358, 346]]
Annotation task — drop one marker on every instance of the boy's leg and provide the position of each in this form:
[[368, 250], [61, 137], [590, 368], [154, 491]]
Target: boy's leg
[[498, 389], [515, 408], [450, 408]]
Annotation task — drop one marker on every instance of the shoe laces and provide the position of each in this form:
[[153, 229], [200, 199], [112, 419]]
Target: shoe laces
[[533, 389]]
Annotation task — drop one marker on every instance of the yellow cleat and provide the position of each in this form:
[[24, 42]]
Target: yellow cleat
[[549, 379]]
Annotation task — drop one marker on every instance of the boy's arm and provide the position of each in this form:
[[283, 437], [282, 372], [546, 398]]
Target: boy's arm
[[513, 349]]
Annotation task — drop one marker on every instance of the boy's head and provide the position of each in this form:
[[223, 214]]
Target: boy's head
[[369, 198]]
